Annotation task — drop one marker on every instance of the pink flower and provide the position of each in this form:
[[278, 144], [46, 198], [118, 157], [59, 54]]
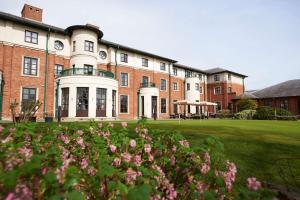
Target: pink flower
[[200, 187], [137, 159], [172, 193], [102, 188], [145, 130], [116, 162], [206, 158], [124, 124], [253, 184], [190, 179], [80, 142], [174, 148], [79, 132], [132, 143], [137, 129], [44, 170], [11, 130], [131, 175], [21, 192], [92, 171], [147, 148], [7, 139], [229, 175], [126, 157], [110, 124], [64, 138], [84, 163], [205, 168], [172, 160], [150, 157], [184, 143], [113, 148], [26, 152], [10, 196]]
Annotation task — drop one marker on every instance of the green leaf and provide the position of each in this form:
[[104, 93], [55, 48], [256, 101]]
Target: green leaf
[[50, 177], [70, 182], [33, 165], [139, 193], [75, 195], [9, 178], [209, 196]]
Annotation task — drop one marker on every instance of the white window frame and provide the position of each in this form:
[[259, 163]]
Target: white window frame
[[121, 79], [160, 85], [215, 89], [175, 83], [127, 104]]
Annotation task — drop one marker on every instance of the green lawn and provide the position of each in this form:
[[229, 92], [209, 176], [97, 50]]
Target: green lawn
[[254, 146]]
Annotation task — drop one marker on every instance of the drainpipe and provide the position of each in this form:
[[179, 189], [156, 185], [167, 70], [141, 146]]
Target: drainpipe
[[243, 85], [1, 93], [56, 99], [46, 72], [170, 85], [138, 105], [116, 61]]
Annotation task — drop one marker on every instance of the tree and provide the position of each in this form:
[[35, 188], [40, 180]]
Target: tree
[[247, 104]]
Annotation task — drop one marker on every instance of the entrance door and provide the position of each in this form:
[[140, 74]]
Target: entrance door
[[114, 95], [154, 106], [175, 107], [82, 102], [143, 106], [298, 105], [197, 109], [101, 102], [64, 102]]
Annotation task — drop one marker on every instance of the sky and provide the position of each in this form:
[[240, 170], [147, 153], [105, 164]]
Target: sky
[[258, 38]]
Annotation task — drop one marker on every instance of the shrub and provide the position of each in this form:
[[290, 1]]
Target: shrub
[[245, 114], [268, 113], [224, 114], [97, 162], [247, 104]]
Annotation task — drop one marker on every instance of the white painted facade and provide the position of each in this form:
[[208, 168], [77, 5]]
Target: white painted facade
[[147, 93], [192, 94], [92, 82]]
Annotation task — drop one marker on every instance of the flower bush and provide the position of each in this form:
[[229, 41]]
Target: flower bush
[[100, 162]]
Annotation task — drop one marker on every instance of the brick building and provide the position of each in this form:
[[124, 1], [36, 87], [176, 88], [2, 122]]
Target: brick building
[[89, 77], [285, 95]]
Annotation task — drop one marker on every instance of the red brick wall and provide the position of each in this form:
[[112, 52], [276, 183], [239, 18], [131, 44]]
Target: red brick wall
[[32, 12], [176, 95], [225, 97], [11, 62], [292, 103]]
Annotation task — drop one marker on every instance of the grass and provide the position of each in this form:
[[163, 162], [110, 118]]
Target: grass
[[255, 146]]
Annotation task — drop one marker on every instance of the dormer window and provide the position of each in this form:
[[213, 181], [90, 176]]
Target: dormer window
[[217, 77], [31, 37], [163, 66], [144, 62], [88, 46]]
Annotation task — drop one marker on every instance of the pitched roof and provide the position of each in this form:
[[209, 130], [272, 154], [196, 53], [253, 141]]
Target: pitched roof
[[246, 95], [47, 27], [189, 68], [32, 23], [285, 89], [130, 49], [220, 70]]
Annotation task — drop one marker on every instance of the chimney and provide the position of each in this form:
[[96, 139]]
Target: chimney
[[31, 12]]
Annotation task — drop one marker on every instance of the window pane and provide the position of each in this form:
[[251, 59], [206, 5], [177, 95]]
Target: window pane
[[123, 104]]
